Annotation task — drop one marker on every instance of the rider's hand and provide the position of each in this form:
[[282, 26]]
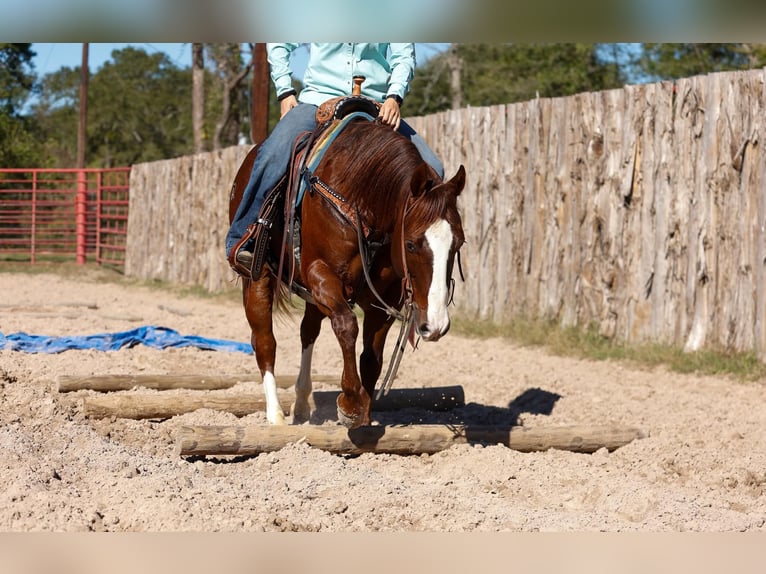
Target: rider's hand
[[286, 105], [390, 114]]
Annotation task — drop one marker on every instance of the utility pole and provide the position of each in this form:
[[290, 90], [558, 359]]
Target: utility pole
[[82, 182], [81, 135], [259, 115]]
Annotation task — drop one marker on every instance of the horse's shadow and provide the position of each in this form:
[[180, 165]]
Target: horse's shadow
[[533, 401]]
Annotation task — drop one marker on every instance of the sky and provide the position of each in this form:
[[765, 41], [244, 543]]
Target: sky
[[53, 57]]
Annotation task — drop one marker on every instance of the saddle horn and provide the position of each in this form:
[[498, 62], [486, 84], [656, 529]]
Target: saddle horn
[[356, 90]]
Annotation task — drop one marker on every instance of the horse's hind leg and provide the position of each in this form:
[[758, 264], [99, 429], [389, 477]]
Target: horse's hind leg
[[310, 327], [258, 297]]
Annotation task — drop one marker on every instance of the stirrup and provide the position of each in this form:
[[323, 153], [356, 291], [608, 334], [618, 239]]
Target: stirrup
[[258, 232]]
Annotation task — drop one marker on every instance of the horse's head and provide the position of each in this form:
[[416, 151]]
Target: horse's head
[[431, 236]]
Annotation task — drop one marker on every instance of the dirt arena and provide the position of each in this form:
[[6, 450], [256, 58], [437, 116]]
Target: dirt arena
[[702, 466]]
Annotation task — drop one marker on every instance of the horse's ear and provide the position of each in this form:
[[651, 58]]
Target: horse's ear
[[458, 181], [421, 180]]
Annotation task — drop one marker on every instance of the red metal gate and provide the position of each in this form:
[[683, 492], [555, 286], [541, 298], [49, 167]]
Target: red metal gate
[[63, 214]]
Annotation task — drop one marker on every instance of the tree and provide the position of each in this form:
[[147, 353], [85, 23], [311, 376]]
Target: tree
[[17, 142], [56, 116], [503, 73], [232, 71], [16, 76], [139, 110], [672, 61], [198, 96]]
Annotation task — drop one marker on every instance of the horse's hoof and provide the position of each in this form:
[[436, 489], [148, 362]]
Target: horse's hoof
[[346, 420], [351, 418], [300, 414], [276, 418], [352, 421]]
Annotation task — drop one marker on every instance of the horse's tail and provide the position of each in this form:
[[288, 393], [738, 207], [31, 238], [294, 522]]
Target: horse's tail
[[282, 297]]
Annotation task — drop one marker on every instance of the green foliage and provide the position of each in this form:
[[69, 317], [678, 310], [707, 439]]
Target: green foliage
[[139, 109], [56, 117], [18, 147], [504, 73], [672, 61], [16, 77], [232, 90]]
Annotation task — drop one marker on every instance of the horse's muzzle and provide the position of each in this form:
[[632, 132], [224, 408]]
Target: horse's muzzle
[[428, 333]]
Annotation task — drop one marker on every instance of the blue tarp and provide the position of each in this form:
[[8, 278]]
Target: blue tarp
[[156, 337]]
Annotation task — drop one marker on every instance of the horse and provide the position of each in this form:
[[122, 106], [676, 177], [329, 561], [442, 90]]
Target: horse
[[371, 192]]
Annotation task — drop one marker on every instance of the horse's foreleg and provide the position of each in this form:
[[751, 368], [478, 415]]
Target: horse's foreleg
[[376, 327], [353, 401], [310, 327], [258, 297]]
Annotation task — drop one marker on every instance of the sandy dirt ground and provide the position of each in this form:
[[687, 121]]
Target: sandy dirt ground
[[702, 466]]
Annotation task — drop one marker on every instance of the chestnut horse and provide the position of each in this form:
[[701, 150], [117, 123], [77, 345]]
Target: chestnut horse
[[391, 200]]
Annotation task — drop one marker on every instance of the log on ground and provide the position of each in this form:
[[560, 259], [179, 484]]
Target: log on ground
[[108, 383], [411, 439], [163, 406]]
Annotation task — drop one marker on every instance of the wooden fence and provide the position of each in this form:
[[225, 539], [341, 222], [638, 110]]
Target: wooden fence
[[642, 210], [178, 219]]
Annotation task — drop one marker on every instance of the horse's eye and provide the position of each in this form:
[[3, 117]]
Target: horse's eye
[[410, 245]]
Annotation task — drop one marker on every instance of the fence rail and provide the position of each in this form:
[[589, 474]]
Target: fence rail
[[62, 214]]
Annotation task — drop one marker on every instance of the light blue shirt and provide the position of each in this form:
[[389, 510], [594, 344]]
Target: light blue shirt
[[331, 68]]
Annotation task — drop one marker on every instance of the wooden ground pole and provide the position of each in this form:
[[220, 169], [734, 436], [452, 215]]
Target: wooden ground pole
[[163, 405], [109, 383], [409, 439]]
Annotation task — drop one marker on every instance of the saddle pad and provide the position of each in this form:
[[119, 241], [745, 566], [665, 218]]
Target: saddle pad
[[319, 149]]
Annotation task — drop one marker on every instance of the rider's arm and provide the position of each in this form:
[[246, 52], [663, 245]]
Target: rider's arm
[[278, 56], [402, 62]]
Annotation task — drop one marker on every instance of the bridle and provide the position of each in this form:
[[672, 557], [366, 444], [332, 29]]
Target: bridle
[[406, 315]]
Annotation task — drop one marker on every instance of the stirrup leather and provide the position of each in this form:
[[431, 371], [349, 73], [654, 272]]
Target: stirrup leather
[[259, 233]]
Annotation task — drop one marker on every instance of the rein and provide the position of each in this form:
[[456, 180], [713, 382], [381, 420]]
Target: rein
[[407, 321], [366, 264]]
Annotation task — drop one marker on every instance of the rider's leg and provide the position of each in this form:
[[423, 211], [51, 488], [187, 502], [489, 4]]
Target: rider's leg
[[426, 152], [269, 166]]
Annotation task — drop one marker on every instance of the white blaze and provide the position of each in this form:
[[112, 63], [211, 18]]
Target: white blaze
[[439, 236]]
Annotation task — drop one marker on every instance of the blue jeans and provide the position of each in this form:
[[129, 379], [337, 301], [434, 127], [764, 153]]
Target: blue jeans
[[273, 158]]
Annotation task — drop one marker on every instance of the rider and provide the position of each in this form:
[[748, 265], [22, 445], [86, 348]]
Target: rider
[[388, 69]]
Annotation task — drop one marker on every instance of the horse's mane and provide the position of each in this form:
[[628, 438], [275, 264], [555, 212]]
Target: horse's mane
[[369, 156], [373, 166]]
